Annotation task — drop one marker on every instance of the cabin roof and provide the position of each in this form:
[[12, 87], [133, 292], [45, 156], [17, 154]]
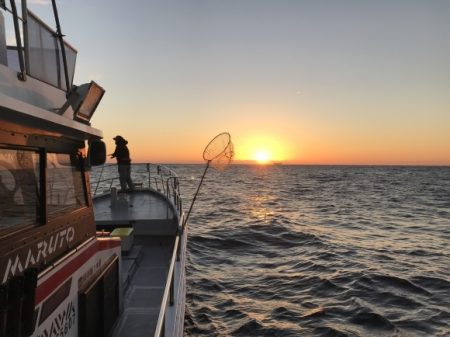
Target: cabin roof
[[26, 114]]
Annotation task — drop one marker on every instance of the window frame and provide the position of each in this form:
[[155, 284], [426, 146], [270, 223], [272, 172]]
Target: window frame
[[41, 216], [38, 202], [81, 171]]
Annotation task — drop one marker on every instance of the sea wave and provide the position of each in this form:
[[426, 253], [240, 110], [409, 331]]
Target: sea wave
[[319, 251]]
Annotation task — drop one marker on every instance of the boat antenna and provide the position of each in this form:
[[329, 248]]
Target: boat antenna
[[218, 154]]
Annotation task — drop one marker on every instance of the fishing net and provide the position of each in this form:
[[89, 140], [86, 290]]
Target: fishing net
[[220, 151], [218, 154]]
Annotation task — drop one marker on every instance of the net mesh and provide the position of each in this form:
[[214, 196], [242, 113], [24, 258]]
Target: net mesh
[[221, 163], [220, 151]]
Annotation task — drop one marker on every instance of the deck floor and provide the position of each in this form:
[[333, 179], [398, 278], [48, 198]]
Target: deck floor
[[135, 206], [145, 286]]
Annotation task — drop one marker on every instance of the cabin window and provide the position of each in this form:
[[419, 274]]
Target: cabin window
[[65, 185], [19, 187]]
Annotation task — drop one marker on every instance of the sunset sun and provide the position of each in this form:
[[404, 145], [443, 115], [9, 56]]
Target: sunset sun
[[262, 157], [263, 149]]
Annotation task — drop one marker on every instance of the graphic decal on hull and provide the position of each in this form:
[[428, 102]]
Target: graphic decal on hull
[[62, 324], [55, 300], [39, 252]]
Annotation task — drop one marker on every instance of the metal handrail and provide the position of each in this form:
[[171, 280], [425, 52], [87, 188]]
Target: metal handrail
[[153, 176], [168, 291], [21, 35]]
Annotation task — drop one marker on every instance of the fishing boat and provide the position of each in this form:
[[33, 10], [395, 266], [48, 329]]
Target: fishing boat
[[76, 261]]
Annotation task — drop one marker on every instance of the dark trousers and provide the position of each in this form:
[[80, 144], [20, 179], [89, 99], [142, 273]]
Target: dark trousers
[[125, 177]]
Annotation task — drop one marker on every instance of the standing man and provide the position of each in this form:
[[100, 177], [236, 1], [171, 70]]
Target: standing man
[[122, 154]]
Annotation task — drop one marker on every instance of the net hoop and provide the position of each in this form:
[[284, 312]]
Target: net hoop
[[217, 146]]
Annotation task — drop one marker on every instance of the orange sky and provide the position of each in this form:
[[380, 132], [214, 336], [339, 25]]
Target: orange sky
[[306, 148], [298, 134]]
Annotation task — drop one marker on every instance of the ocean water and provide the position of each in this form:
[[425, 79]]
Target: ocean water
[[318, 251]]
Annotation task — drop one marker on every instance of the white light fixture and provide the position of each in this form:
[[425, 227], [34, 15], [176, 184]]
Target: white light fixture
[[88, 96]]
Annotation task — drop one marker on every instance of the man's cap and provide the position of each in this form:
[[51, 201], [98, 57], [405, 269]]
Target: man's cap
[[118, 138]]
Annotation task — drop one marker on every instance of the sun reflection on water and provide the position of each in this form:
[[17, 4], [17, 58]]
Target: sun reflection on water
[[259, 208]]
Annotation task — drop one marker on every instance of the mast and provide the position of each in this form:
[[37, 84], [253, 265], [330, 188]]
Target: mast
[[61, 42]]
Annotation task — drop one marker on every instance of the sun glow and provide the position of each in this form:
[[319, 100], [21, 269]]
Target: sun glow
[[262, 156], [263, 149]]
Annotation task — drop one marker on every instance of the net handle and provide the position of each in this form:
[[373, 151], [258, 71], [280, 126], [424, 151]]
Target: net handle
[[195, 195]]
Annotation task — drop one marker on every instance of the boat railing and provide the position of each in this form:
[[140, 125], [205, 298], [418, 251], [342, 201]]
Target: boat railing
[[36, 45], [151, 176], [169, 289], [169, 292]]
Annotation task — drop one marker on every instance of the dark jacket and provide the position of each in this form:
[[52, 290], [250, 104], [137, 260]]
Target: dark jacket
[[121, 153]]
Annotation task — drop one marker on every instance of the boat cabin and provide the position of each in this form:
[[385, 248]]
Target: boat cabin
[[62, 272], [54, 270]]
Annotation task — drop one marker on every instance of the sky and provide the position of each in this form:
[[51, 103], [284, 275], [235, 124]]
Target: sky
[[301, 82]]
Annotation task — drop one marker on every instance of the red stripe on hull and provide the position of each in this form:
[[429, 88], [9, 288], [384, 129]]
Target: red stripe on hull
[[48, 286]]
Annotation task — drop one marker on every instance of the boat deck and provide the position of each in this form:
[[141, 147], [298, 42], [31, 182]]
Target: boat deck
[[145, 267], [144, 274], [139, 205]]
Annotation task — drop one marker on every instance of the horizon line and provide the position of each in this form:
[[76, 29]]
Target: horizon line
[[254, 163]]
